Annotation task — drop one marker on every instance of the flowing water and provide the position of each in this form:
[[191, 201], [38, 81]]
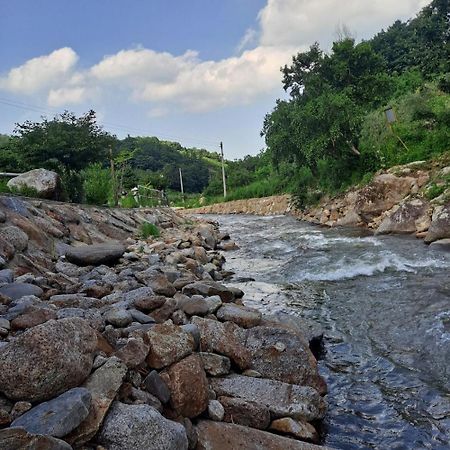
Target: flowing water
[[383, 304]]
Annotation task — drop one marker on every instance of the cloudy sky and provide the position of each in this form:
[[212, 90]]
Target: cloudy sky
[[197, 71]]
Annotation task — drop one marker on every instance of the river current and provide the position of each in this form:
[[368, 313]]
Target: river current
[[383, 304]]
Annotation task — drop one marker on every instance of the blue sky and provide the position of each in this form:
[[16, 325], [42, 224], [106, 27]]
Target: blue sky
[[197, 71]]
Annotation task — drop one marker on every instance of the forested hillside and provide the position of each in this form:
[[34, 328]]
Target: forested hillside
[[329, 134]]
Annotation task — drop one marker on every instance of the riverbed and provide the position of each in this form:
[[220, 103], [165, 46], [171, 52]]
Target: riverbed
[[383, 304]]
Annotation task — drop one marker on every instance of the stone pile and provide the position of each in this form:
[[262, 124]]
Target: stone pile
[[108, 341]]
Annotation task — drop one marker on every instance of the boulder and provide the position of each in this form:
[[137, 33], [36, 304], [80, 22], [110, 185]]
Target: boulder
[[168, 344], [59, 416], [282, 399], [46, 183], [404, 219], [133, 427], [16, 291], [47, 360], [188, 386], [103, 386], [225, 338], [283, 355], [247, 413], [20, 439], [440, 224], [241, 315], [15, 237], [226, 436], [95, 255]]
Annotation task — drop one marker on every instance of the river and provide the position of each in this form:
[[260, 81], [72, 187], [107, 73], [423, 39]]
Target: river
[[383, 304]]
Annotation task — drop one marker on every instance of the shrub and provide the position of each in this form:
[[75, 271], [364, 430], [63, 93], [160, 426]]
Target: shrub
[[148, 229], [97, 184]]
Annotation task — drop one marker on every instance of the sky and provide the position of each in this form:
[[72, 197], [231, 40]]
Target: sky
[[197, 72]]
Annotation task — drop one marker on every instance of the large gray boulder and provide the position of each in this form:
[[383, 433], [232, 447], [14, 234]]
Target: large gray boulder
[[46, 183], [282, 399], [95, 255], [59, 416], [132, 427], [47, 360], [440, 224]]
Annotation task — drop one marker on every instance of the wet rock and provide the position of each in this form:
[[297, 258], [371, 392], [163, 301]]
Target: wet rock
[[296, 428], [168, 344], [103, 386], [157, 386], [94, 255], [157, 281], [226, 436], [240, 315], [215, 365], [215, 410], [59, 416], [18, 438], [245, 412], [46, 183], [443, 244], [188, 386], [15, 237], [225, 338], [132, 427], [48, 359], [283, 355], [19, 290], [282, 399]]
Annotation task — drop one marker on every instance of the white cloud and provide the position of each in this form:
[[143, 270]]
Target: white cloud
[[40, 72], [302, 22], [165, 82], [66, 96]]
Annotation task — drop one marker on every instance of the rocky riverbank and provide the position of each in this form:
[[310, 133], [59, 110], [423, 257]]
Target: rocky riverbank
[[398, 201], [112, 341]]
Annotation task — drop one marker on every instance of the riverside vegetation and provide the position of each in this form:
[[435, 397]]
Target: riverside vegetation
[[329, 134]]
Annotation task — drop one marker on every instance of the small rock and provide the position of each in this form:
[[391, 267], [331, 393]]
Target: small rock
[[118, 317], [157, 386], [296, 428], [94, 255], [168, 344], [245, 412], [20, 408], [15, 236], [240, 315], [193, 330], [215, 410], [18, 438], [16, 291], [134, 352], [215, 365]]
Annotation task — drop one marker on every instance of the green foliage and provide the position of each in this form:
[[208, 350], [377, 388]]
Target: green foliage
[[3, 186], [97, 184], [434, 190], [25, 191], [148, 229]]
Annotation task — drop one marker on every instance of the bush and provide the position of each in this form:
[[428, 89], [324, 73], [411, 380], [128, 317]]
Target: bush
[[97, 184], [148, 229]]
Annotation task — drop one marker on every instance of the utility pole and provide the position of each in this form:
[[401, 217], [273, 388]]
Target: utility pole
[[223, 173], [181, 184]]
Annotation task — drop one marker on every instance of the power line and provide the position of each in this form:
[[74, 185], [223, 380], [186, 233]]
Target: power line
[[39, 109]]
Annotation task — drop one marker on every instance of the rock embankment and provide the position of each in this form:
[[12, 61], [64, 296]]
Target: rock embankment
[[398, 201], [111, 341]]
